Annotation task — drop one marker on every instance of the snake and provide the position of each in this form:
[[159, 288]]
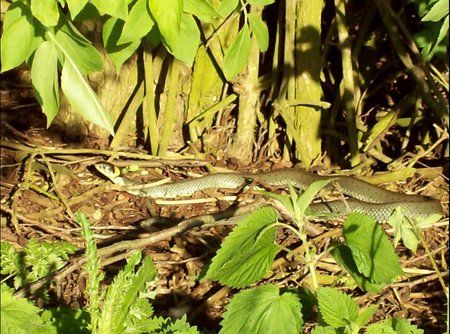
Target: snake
[[366, 198]]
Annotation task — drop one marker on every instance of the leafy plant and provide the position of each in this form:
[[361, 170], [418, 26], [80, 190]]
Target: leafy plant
[[433, 38], [36, 260], [126, 307], [51, 44]]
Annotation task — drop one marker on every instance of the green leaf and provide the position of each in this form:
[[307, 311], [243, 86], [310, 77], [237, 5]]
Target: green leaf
[[236, 56], [186, 41], [73, 44], [374, 255], [81, 96], [227, 6], [75, 7], [437, 12], [306, 198], [260, 3], [67, 320], [203, 9], [18, 315], [365, 315], [118, 54], [394, 326], [44, 76], [247, 252], [259, 30], [343, 256], [45, 11], [114, 8], [138, 23], [263, 310], [337, 308], [323, 330], [167, 15], [18, 36]]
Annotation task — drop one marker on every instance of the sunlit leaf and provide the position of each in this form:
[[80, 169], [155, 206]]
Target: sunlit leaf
[[44, 77], [114, 8], [259, 30], [138, 23], [45, 11], [236, 56], [263, 310]]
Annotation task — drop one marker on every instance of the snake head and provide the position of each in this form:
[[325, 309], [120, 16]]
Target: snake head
[[107, 169]]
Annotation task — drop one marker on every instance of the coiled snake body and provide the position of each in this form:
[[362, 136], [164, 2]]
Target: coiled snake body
[[366, 198]]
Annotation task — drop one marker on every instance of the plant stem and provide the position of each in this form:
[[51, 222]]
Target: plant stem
[[169, 112], [148, 104]]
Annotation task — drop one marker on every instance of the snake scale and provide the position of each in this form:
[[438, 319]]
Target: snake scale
[[366, 198]]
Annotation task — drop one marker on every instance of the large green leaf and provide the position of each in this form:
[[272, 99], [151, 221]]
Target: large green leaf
[[18, 315], [259, 30], [237, 55], [44, 77], [260, 3], [118, 54], [374, 255], [114, 8], [18, 39], [343, 256], [186, 41], [138, 23], [81, 96], [263, 310], [75, 7], [248, 252], [227, 6], [167, 15], [437, 12], [45, 11], [337, 308], [203, 9], [73, 43]]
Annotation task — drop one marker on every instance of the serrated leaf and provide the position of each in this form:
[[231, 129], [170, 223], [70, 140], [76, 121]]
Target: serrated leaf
[[263, 310], [114, 8], [437, 12], [236, 56], [323, 330], [135, 284], [18, 315], [343, 256], [393, 326], [44, 77], [374, 255], [75, 7], [167, 15], [138, 23], [186, 42], [81, 96], [259, 30], [247, 252], [45, 11], [203, 9], [260, 3], [337, 308], [70, 41], [365, 315], [18, 27], [118, 54]]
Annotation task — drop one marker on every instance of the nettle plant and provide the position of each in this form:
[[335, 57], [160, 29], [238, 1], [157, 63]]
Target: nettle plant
[[247, 256], [44, 35]]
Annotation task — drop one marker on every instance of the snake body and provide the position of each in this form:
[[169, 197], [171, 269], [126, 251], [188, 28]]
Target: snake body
[[366, 198]]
